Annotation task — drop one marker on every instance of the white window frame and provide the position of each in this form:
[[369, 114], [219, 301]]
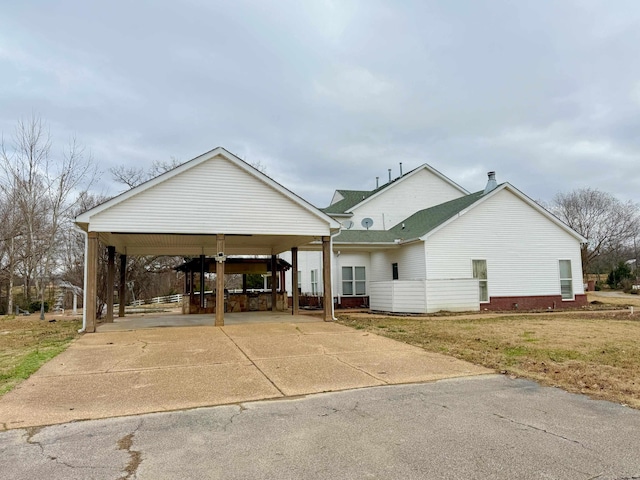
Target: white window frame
[[314, 282], [299, 281], [568, 280], [358, 286], [481, 281]]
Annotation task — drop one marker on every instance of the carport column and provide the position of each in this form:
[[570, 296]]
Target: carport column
[[202, 289], [91, 294], [326, 279], [111, 273], [274, 282], [220, 283], [122, 287], [294, 282]]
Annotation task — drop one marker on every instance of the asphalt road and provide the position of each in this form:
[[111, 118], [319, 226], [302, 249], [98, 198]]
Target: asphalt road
[[488, 427]]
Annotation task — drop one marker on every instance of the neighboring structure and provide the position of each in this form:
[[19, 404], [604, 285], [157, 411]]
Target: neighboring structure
[[421, 244]]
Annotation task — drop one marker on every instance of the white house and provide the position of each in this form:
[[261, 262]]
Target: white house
[[422, 244]]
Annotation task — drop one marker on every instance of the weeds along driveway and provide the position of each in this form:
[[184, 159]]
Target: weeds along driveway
[[132, 372]]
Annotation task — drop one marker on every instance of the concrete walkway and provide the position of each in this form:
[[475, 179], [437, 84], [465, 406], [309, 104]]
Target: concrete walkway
[[120, 373]]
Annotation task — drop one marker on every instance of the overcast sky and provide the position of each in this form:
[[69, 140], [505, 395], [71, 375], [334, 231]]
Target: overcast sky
[[330, 94]]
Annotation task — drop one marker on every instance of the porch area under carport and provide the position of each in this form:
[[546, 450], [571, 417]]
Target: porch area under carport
[[173, 319]]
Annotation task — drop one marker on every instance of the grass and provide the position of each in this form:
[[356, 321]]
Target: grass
[[595, 353], [26, 343]]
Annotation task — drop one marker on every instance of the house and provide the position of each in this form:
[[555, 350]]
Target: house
[[422, 244], [418, 244]]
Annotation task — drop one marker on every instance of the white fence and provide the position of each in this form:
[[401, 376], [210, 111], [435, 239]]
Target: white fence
[[425, 296], [177, 298]]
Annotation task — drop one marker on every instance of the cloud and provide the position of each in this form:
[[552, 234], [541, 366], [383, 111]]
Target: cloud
[[331, 94]]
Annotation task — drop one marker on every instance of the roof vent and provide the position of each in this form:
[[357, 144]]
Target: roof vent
[[491, 183]]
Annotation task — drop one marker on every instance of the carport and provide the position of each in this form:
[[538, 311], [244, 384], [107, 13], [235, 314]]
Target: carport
[[215, 205]]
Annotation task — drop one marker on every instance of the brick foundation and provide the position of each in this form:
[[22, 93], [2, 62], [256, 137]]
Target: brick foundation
[[542, 302], [353, 302], [345, 302]]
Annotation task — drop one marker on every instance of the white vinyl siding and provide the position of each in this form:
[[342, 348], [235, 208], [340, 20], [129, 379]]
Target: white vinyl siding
[[354, 281], [410, 259], [480, 273], [424, 296], [520, 245], [566, 283], [452, 295], [216, 196], [393, 205], [398, 296]]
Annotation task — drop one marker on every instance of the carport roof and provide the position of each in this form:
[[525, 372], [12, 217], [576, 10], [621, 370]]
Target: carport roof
[[181, 211]]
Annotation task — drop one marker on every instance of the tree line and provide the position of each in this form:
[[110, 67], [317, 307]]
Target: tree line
[[612, 228], [43, 187]]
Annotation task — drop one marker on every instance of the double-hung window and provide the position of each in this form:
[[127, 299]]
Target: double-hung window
[[480, 272], [354, 281], [566, 280], [314, 282]]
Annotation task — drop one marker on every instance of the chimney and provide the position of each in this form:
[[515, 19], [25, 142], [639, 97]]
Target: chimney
[[389, 175], [377, 182], [491, 182], [400, 168]]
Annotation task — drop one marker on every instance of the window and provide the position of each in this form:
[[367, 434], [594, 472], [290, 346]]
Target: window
[[354, 281], [480, 272], [566, 280], [299, 281], [394, 271], [314, 282]]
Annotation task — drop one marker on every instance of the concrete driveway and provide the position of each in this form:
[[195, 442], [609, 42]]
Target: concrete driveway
[[487, 427], [120, 373]]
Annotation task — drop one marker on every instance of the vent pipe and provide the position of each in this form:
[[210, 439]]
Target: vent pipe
[[389, 175], [377, 182], [491, 183], [400, 168]]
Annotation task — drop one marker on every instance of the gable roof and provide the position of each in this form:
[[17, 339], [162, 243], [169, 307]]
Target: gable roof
[[353, 198], [83, 219], [426, 222], [349, 199]]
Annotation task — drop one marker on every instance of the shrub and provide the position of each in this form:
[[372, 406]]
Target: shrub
[[617, 275], [35, 306]]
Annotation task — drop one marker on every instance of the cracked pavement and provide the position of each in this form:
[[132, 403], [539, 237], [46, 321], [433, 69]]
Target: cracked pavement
[[476, 427]]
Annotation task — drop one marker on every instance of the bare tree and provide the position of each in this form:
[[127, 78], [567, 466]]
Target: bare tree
[[149, 276], [43, 189], [134, 176], [605, 221]]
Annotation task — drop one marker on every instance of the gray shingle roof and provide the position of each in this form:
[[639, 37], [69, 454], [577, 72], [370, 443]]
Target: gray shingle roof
[[417, 225], [351, 198]]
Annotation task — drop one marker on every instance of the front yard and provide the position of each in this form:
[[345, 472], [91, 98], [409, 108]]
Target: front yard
[[26, 343], [595, 353]]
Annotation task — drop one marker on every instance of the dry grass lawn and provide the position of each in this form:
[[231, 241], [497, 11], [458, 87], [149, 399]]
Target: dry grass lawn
[[596, 353], [621, 301], [26, 343]]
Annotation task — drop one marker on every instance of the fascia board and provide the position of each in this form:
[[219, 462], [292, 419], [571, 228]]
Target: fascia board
[[85, 218], [521, 196], [544, 212], [409, 175]]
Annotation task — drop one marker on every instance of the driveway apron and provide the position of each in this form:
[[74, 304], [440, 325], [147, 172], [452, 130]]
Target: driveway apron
[[119, 373]]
